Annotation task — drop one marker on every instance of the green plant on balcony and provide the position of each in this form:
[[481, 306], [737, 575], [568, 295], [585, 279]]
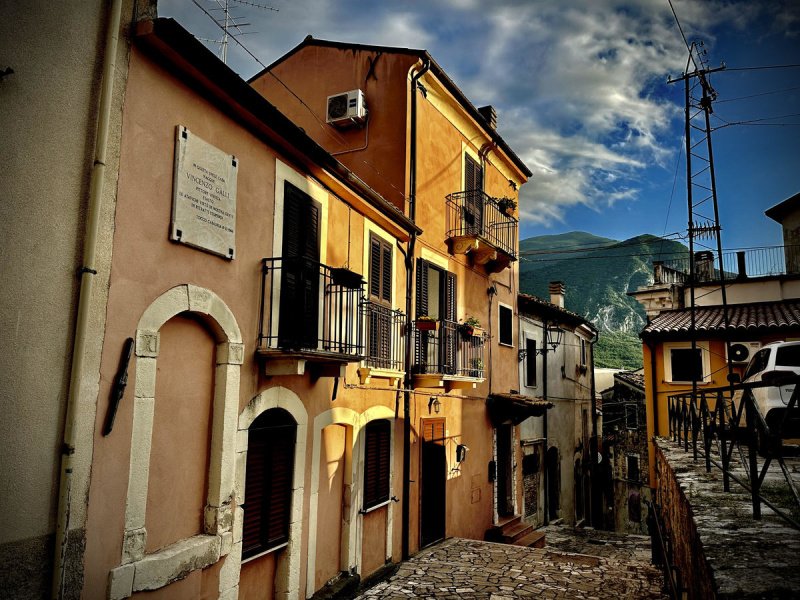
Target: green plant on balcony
[[469, 326], [506, 205], [477, 368]]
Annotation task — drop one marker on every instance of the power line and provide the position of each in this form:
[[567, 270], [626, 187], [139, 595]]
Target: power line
[[764, 67], [575, 249], [752, 121], [790, 89]]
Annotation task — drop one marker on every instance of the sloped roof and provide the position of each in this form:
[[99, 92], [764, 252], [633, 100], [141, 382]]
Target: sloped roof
[[762, 317], [435, 68], [782, 209], [535, 306], [632, 378], [515, 407]]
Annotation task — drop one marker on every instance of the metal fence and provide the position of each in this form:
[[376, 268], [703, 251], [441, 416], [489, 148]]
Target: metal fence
[[309, 306], [474, 213], [449, 350], [385, 342], [729, 419], [755, 262]]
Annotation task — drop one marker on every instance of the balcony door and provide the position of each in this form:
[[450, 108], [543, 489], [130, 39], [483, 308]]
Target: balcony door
[[300, 270], [436, 298], [473, 201], [379, 321]]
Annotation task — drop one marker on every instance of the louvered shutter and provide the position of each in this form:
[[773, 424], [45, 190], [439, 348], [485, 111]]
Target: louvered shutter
[[449, 334], [421, 338], [268, 482], [375, 268], [386, 274], [300, 269], [473, 202], [377, 452]]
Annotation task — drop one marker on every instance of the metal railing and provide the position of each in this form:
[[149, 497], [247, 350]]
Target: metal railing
[[449, 350], [729, 417], [385, 342], [474, 213], [307, 306], [755, 262]]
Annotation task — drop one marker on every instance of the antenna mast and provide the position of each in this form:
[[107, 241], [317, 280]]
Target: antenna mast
[[704, 225], [230, 24]]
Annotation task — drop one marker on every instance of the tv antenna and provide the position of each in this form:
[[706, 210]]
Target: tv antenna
[[230, 24]]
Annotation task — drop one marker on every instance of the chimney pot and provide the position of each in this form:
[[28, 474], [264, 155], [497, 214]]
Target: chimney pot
[[489, 115], [557, 290]]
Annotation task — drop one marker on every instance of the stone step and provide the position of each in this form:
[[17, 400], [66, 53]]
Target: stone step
[[512, 534], [508, 522], [534, 539]]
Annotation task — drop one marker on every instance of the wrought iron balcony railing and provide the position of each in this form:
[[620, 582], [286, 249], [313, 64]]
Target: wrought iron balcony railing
[[385, 342], [754, 262], [447, 350], [310, 308], [472, 213], [726, 423]]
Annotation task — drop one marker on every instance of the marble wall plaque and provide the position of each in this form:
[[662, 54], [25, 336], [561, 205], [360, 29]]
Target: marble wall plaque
[[204, 195]]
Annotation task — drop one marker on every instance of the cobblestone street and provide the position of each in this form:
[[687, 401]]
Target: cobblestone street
[[469, 569]]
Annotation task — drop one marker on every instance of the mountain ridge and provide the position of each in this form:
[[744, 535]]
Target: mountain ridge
[[597, 273]]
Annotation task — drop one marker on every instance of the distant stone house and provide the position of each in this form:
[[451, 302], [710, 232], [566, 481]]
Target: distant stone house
[[625, 451], [556, 463]]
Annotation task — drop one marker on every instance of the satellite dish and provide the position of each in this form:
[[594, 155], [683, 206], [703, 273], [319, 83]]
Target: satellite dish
[[739, 353]]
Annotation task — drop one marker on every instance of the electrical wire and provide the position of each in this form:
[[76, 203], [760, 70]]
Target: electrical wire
[[757, 95]]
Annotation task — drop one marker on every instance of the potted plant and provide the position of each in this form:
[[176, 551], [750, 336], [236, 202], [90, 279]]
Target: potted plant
[[426, 323], [477, 367], [470, 327], [507, 206]]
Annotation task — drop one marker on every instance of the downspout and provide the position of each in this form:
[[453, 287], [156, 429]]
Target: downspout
[[87, 273], [654, 386], [409, 261], [547, 472], [597, 509]]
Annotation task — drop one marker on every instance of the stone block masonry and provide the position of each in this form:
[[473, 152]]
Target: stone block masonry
[[717, 546]]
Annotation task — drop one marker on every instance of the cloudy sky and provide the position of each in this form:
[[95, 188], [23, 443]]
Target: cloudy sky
[[580, 88]]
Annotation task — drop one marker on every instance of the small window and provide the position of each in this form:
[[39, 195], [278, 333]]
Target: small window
[[506, 328], [583, 352], [530, 363], [687, 365], [631, 416], [377, 451], [633, 467], [788, 356], [268, 482]]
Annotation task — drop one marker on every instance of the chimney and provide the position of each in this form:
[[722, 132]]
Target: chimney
[[489, 115], [557, 293]]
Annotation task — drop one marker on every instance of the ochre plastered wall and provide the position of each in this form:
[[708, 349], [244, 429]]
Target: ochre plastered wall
[[314, 73]]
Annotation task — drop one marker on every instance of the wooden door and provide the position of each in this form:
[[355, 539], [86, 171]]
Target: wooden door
[[433, 482]]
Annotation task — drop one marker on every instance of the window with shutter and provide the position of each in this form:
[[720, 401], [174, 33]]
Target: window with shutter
[[268, 482], [473, 200], [300, 272], [377, 464], [380, 293]]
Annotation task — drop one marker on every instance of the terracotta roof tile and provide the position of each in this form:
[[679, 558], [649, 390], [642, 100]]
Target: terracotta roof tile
[[742, 318]]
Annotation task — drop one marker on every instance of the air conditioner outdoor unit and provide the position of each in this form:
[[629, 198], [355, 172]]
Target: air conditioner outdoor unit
[[742, 352], [347, 109]]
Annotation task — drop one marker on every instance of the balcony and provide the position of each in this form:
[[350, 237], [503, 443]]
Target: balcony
[[310, 315], [477, 227], [384, 343], [447, 357], [739, 265]]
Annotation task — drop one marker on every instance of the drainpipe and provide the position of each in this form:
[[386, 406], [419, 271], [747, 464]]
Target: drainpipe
[[597, 509], [409, 262], [547, 470], [87, 273]]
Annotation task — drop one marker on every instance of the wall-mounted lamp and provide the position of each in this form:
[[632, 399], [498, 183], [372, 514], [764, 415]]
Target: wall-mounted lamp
[[461, 452], [435, 404], [553, 336]]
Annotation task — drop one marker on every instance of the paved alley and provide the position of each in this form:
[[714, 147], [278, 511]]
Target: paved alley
[[470, 569]]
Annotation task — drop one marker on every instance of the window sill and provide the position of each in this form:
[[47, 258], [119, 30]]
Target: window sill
[[265, 552], [506, 344], [365, 511]]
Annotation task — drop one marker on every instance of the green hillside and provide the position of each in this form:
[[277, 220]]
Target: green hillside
[[598, 272]]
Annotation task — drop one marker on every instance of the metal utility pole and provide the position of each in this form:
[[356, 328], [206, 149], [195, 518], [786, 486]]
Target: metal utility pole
[[701, 185]]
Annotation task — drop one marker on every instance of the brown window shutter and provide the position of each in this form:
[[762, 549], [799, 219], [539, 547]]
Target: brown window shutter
[[377, 453], [268, 481]]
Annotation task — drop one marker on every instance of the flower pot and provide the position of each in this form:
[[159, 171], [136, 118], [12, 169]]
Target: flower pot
[[426, 325]]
